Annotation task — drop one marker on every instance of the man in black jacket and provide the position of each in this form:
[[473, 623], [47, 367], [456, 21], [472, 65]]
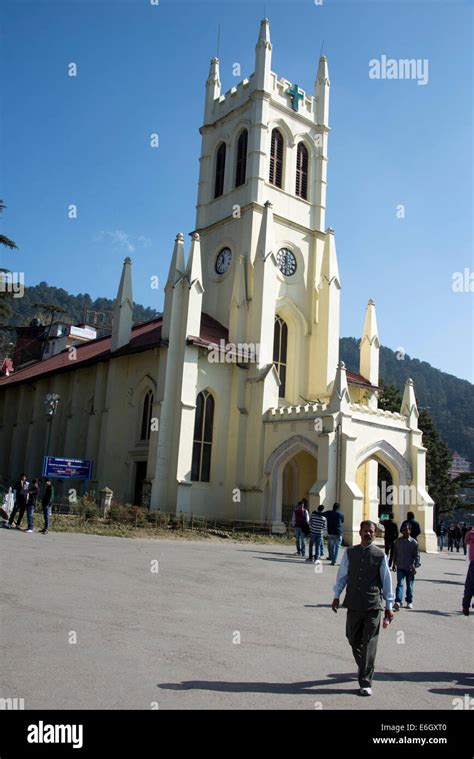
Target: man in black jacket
[[390, 536], [20, 489], [335, 520]]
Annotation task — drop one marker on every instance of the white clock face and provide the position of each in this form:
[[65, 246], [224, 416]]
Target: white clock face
[[286, 262], [223, 260]]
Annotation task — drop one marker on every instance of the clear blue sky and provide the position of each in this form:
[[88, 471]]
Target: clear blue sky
[[142, 69]]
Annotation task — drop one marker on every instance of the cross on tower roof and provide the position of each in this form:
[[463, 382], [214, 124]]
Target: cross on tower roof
[[296, 96]]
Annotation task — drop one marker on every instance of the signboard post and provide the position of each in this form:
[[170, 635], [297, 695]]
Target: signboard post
[[64, 469]]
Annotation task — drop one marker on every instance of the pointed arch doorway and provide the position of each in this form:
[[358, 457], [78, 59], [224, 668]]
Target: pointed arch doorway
[[293, 470]]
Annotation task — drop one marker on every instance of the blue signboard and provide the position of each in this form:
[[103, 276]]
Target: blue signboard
[[77, 469]]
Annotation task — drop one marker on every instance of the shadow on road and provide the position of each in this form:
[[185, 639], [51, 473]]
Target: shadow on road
[[439, 582], [310, 687]]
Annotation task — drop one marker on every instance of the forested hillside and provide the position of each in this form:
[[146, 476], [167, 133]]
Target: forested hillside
[[449, 400]]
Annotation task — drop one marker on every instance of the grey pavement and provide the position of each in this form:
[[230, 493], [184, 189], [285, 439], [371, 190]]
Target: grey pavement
[[169, 639]]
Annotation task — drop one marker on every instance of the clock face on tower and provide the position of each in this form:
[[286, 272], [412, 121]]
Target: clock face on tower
[[286, 262], [223, 260]]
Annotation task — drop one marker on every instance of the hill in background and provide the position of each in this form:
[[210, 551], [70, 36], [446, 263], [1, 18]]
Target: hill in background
[[449, 400]]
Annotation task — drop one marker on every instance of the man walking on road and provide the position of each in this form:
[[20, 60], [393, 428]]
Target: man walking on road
[[390, 536], [21, 495], [335, 521], [300, 523], [364, 570], [47, 502], [317, 525], [406, 558]]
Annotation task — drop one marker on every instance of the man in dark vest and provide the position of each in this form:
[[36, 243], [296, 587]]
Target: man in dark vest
[[365, 571]]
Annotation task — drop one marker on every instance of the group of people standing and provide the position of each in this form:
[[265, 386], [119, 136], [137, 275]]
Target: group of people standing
[[315, 527], [455, 535], [25, 496]]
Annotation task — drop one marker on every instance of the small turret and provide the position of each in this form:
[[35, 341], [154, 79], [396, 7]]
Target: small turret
[[175, 275], [322, 86], [123, 309], [193, 306], [409, 406], [263, 56], [370, 346], [213, 89]]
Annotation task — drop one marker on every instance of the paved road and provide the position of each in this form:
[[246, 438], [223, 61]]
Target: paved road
[[167, 637]]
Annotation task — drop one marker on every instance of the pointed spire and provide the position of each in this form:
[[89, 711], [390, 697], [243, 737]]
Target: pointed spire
[[409, 406], [194, 269], [340, 398], [194, 289], [370, 346], [213, 89], [172, 304], [177, 267], [329, 268], [123, 309], [263, 56], [322, 86]]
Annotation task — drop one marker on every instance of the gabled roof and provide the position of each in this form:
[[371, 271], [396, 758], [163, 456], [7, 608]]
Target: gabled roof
[[360, 381], [145, 337]]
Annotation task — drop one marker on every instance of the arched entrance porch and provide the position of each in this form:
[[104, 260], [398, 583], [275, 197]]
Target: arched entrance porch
[[292, 469], [384, 484]]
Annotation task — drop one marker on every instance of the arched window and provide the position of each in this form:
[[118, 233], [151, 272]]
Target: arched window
[[146, 416], [276, 159], [220, 170], [202, 441], [280, 346], [302, 171], [241, 165]]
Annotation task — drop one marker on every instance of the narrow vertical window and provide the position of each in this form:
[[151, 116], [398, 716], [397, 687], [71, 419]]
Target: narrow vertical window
[[241, 165], [302, 171], [146, 416], [276, 159], [220, 170], [280, 346], [202, 441]]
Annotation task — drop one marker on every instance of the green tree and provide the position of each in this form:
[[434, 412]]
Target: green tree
[[438, 456], [6, 240]]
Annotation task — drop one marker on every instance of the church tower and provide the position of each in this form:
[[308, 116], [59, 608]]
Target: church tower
[[269, 267]]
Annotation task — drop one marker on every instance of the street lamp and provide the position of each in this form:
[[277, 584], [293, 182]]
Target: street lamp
[[51, 404]]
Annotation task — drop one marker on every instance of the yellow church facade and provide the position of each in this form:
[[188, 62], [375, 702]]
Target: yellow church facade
[[234, 403]]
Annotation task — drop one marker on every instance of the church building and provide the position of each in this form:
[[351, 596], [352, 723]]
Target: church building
[[234, 403]]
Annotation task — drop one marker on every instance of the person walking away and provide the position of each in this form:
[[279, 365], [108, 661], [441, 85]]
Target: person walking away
[[33, 492], [406, 558], [47, 502], [390, 536], [468, 590], [451, 537], [335, 520], [300, 522], [20, 489], [317, 526], [414, 526], [457, 535], [364, 570], [440, 531]]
